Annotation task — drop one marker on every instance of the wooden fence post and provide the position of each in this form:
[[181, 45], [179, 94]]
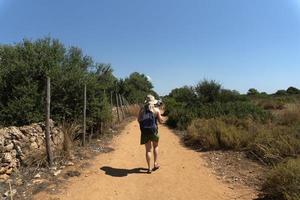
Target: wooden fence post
[[121, 105], [47, 123], [84, 115], [118, 107], [125, 104]]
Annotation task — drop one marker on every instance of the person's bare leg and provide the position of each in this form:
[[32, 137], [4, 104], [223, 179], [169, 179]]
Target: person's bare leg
[[155, 153], [148, 147]]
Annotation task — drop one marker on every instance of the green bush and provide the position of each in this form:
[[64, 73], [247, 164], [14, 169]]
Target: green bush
[[283, 182], [179, 116], [23, 70], [238, 109]]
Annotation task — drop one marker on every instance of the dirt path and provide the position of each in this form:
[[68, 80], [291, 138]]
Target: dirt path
[[119, 174]]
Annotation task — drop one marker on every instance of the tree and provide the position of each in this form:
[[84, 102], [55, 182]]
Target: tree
[[230, 95], [252, 92], [136, 87], [281, 92], [208, 91], [293, 90], [184, 94]]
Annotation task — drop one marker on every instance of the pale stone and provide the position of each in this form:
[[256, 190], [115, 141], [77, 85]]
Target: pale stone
[[37, 176], [32, 139], [4, 177], [38, 181], [7, 158], [34, 146], [9, 147], [70, 163], [9, 171], [3, 169], [10, 193], [56, 173]]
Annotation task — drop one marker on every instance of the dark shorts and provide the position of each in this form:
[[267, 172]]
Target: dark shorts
[[145, 137]]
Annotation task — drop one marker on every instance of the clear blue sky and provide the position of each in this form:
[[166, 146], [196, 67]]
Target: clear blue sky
[[240, 43]]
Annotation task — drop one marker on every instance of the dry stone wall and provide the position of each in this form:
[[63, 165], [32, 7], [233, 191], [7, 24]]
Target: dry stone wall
[[18, 144]]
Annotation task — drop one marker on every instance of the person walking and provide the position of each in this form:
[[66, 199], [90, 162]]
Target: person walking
[[149, 116]]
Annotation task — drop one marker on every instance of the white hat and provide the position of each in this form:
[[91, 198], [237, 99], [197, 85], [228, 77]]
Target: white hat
[[150, 99]]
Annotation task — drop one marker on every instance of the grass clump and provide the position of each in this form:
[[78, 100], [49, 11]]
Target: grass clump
[[272, 144], [283, 181], [267, 143], [215, 134]]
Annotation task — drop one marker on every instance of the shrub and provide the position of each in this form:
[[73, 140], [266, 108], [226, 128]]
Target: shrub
[[272, 144], [268, 104], [293, 90], [237, 109], [202, 132], [215, 134], [180, 118], [283, 182], [252, 92], [208, 91], [289, 117]]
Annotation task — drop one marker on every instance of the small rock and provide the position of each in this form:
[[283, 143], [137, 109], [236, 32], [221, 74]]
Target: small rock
[[32, 139], [34, 146], [70, 163], [9, 147], [37, 175], [7, 158], [53, 168], [3, 177], [8, 194], [73, 173], [38, 181], [57, 173], [19, 182], [9, 171]]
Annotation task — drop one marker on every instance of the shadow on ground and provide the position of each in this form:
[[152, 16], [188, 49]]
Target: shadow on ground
[[116, 172]]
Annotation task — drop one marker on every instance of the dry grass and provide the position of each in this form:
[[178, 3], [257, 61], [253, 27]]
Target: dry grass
[[216, 134], [269, 143], [283, 182], [70, 131], [269, 104], [289, 117], [133, 110]]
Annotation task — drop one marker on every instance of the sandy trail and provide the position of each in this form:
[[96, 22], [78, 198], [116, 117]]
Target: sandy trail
[[120, 174]]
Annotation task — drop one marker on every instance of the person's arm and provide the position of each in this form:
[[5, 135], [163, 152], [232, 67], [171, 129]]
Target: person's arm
[[159, 117]]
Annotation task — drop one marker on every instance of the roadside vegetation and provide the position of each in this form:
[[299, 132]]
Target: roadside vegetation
[[24, 67], [266, 127]]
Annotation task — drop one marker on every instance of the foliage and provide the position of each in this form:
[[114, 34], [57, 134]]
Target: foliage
[[208, 91], [283, 182], [281, 93], [179, 116], [136, 87], [184, 95], [293, 90], [23, 71], [215, 134], [252, 92]]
